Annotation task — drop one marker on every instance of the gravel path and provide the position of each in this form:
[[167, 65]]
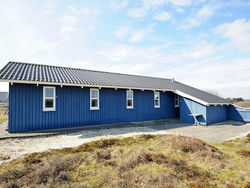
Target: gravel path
[[16, 148]]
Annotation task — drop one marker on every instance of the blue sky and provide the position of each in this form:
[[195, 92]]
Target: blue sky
[[202, 43]]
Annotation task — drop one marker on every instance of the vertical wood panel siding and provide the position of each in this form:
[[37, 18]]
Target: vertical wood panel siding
[[210, 114], [216, 114], [238, 114], [188, 107], [73, 108]]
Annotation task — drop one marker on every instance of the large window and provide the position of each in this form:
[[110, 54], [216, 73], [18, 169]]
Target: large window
[[176, 101], [157, 99], [94, 99], [130, 99], [49, 98]]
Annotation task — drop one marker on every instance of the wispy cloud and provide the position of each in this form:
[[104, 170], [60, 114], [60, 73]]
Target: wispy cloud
[[198, 17], [121, 32], [149, 3], [139, 35], [237, 33], [162, 16], [119, 4], [138, 12]]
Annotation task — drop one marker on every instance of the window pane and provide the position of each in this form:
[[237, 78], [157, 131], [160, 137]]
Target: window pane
[[156, 102], [49, 92], [129, 102], [49, 103], [129, 94], [94, 103], [94, 93]]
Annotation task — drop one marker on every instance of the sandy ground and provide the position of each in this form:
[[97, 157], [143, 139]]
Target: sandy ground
[[16, 148]]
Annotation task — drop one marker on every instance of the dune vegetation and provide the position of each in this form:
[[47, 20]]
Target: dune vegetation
[[3, 118], [142, 161]]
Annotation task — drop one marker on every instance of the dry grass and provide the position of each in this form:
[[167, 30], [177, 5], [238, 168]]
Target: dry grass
[[4, 109], [3, 118], [143, 161], [244, 104]]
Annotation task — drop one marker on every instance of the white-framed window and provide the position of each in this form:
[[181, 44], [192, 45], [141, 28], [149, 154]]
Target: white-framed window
[[176, 101], [94, 99], [157, 99], [49, 98], [130, 99]]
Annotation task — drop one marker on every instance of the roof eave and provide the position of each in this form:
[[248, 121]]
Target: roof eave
[[84, 85]]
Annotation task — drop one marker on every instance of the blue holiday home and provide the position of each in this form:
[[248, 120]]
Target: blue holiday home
[[49, 97]]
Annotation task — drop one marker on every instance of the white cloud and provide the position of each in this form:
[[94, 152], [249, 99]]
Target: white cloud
[[137, 13], [237, 33], [84, 10], [179, 10], [202, 50], [68, 25], [149, 3], [199, 16], [163, 16], [119, 5], [122, 31], [228, 78], [139, 35]]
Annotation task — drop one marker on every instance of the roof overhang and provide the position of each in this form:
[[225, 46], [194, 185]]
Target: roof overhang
[[198, 100], [83, 85]]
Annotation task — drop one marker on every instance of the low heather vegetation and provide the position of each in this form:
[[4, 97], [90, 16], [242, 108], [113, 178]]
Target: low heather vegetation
[[144, 161]]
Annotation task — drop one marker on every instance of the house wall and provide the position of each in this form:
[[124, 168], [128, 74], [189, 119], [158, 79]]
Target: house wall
[[73, 108], [188, 107], [238, 114], [209, 114], [216, 114]]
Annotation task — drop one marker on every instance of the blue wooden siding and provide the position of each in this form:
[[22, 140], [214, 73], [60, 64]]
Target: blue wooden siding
[[73, 108], [238, 114], [187, 107], [209, 114], [216, 114]]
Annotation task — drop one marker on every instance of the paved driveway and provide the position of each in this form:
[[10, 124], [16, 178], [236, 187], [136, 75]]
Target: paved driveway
[[15, 148]]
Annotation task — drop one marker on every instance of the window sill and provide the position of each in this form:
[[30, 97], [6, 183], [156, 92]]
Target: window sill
[[157, 106], [49, 110], [94, 108], [130, 107], [177, 106]]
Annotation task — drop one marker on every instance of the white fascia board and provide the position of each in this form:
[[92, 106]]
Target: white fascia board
[[190, 97], [198, 100], [82, 85]]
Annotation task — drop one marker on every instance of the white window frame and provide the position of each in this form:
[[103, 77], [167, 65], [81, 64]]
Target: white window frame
[[54, 99], [159, 103], [90, 99], [130, 107], [176, 101]]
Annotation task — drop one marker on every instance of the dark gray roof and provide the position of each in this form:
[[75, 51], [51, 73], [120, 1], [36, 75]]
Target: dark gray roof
[[35, 73]]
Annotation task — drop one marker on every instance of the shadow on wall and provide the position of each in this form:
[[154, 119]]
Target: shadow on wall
[[238, 114]]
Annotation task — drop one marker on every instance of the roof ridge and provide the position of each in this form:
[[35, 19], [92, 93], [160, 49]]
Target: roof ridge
[[91, 70]]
